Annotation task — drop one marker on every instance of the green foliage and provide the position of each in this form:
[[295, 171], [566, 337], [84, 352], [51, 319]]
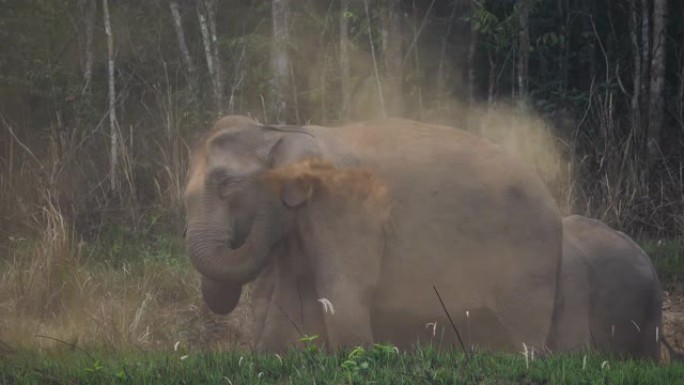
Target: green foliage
[[498, 32], [668, 258], [356, 366], [118, 244]]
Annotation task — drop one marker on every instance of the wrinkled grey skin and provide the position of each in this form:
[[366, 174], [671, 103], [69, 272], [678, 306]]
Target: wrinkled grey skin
[[466, 217], [610, 296]]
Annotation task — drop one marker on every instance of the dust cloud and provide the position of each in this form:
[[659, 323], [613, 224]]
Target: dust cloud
[[434, 89], [533, 140]]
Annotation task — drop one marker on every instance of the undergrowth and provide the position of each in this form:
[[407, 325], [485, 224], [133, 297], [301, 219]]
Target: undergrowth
[[668, 258], [381, 364]]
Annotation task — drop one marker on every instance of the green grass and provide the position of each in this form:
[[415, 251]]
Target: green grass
[[668, 259], [153, 241], [380, 365]]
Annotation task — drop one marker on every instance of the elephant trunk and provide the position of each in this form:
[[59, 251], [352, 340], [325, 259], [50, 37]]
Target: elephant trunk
[[211, 255]]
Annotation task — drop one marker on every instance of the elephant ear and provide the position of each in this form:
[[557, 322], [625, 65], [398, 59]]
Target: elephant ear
[[297, 191], [292, 147]]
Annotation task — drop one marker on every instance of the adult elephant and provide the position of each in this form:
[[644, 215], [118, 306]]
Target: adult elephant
[[465, 217], [610, 296]]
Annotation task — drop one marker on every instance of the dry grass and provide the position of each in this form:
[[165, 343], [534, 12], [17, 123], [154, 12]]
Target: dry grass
[[58, 289], [48, 289], [53, 293]]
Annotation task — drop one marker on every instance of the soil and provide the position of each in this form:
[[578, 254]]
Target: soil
[[673, 321]]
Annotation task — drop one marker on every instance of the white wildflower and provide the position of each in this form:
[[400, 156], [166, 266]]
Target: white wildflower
[[327, 305], [434, 327]]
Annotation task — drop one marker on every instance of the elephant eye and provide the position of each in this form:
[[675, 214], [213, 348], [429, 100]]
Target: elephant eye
[[228, 185], [225, 184]]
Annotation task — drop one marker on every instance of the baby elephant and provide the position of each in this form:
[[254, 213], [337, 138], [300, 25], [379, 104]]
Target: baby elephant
[[609, 295]]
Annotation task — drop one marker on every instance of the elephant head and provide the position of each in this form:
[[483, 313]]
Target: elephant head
[[233, 219]]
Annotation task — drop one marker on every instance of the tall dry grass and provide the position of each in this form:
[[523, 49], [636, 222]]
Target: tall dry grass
[[56, 291], [53, 295]]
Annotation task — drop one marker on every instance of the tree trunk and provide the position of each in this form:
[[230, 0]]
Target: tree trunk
[[523, 50], [645, 52], [207, 28], [114, 144], [87, 8], [565, 60], [656, 108], [440, 68], [182, 45], [210, 7], [280, 58], [636, 55], [472, 49], [491, 88], [392, 38], [345, 79], [378, 81]]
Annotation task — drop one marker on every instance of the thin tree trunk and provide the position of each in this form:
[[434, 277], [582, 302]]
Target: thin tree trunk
[[88, 12], [345, 78], [472, 49], [209, 52], [392, 55], [523, 50], [565, 61], [636, 54], [113, 155], [656, 109], [280, 58], [210, 7], [440, 68], [182, 45], [491, 89], [381, 96], [645, 51]]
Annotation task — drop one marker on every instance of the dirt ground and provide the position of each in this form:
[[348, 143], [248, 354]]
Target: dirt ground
[[673, 319]]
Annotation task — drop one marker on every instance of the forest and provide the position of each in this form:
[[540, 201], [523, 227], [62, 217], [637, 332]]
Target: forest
[[101, 102]]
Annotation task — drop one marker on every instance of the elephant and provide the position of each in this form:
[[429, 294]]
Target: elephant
[[400, 208], [609, 294]]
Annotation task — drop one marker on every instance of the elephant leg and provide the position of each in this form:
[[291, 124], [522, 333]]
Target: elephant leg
[[526, 312], [347, 257], [261, 293], [292, 311], [347, 312], [571, 329]]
